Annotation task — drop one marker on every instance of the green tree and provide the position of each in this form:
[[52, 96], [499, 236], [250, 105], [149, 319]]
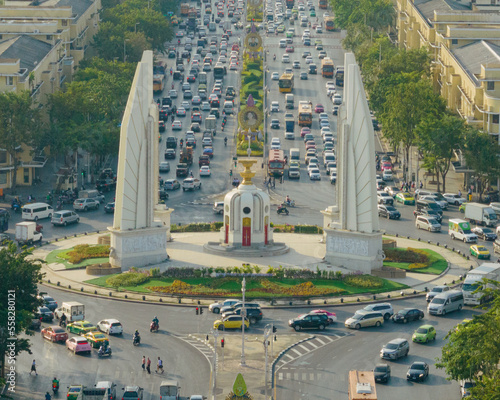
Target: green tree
[[407, 105], [20, 121], [473, 349], [437, 139], [18, 291]]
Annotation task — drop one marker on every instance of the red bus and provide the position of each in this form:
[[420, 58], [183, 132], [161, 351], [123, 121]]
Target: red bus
[[330, 23], [276, 163], [323, 4]]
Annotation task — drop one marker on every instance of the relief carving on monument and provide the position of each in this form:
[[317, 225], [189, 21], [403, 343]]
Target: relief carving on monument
[[342, 245], [144, 243]]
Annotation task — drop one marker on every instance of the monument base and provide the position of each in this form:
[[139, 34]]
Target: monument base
[[257, 250], [138, 248], [355, 251]]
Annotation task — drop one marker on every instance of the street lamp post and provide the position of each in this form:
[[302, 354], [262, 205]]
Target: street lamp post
[[243, 288], [135, 28], [125, 50], [267, 332], [215, 333]]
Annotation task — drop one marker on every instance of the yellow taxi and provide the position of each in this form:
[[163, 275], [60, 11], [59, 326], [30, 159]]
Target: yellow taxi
[[81, 327], [97, 339], [405, 198], [230, 322], [480, 252]]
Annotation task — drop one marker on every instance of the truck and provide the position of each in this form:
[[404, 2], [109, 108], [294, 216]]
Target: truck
[[184, 9], [473, 281], [26, 233], [362, 385], [73, 310], [460, 229], [289, 127], [186, 156], [104, 390], [158, 83], [181, 170], [480, 214]]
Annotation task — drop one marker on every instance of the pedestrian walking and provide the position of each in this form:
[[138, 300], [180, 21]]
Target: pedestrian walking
[[421, 185], [143, 363], [159, 366], [459, 193], [33, 368], [148, 366]]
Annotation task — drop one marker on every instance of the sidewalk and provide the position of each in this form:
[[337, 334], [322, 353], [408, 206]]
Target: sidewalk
[[186, 249]]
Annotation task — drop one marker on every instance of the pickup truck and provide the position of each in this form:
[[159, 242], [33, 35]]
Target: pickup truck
[[204, 160], [191, 184], [182, 170], [104, 390]]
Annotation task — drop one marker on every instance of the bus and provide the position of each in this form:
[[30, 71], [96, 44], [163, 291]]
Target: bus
[[276, 163], [158, 83], [330, 23], [219, 71], [327, 67], [323, 4], [290, 4], [305, 114], [339, 76], [286, 83]]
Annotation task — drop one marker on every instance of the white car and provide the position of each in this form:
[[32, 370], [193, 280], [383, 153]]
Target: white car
[[275, 106], [205, 106], [319, 29], [455, 199], [309, 60], [314, 174], [442, 203], [324, 122], [275, 144], [275, 76], [205, 171], [311, 166], [173, 94], [216, 307], [387, 175], [330, 84], [233, 67], [110, 326], [164, 166], [176, 125], [337, 99], [285, 59], [222, 59], [186, 105]]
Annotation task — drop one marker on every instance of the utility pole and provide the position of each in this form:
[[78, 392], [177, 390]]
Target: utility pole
[[267, 332], [215, 333]]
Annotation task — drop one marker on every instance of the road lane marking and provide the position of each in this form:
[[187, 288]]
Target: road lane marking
[[304, 347], [319, 340], [297, 352], [313, 344]]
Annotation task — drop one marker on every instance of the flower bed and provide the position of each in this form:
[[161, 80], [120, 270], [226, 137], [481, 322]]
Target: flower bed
[[84, 251], [423, 261]]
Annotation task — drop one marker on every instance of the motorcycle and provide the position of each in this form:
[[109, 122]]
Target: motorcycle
[[104, 352], [290, 203], [55, 388], [62, 324], [154, 327], [137, 340], [16, 206], [282, 210]]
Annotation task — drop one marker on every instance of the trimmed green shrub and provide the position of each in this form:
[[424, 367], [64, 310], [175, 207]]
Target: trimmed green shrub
[[127, 279], [364, 281]]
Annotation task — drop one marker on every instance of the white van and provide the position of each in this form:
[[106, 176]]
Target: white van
[[36, 211], [452, 300], [295, 155], [202, 78], [461, 230], [228, 107], [282, 43]]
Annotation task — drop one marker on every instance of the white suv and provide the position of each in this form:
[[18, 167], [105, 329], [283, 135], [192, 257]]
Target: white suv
[[384, 198], [216, 307], [384, 308]]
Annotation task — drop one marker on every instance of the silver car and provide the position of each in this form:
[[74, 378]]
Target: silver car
[[395, 349], [65, 217]]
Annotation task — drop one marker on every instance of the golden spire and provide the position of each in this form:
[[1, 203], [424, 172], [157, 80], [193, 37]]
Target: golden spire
[[247, 174]]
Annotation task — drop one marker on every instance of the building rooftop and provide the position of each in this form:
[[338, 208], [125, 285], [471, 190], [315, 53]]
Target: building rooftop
[[78, 7], [471, 56], [28, 50], [427, 7]]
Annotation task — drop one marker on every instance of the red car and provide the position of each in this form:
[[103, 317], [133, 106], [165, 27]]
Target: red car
[[304, 131], [386, 166], [332, 317], [191, 78], [289, 49], [319, 108], [54, 333]]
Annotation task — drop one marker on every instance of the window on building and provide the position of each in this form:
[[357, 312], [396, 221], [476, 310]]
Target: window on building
[[454, 41], [26, 173], [49, 37], [3, 178], [3, 157], [495, 118], [64, 22], [9, 80], [490, 85]]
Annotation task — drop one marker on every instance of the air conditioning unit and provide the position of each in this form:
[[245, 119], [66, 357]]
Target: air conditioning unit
[[36, 31]]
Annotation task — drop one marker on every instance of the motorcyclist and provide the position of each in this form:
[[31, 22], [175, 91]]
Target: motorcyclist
[[181, 142], [137, 337], [48, 396], [156, 321], [287, 200], [225, 141], [55, 383], [63, 320], [274, 57]]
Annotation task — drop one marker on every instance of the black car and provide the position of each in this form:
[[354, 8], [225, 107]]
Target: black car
[[48, 301], [215, 111], [35, 324], [188, 94], [382, 373], [109, 208], [162, 194], [105, 185], [307, 321], [418, 371], [171, 142], [388, 212], [161, 126], [166, 101], [485, 233], [275, 124], [44, 314], [408, 314], [253, 314], [170, 154]]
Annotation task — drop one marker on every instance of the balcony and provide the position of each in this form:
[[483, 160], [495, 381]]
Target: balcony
[[36, 162]]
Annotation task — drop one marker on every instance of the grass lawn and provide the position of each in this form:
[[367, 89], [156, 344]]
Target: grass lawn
[[437, 266], [234, 286], [58, 256]]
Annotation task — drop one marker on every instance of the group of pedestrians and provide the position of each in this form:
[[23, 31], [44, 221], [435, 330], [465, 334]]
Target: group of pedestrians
[[146, 365]]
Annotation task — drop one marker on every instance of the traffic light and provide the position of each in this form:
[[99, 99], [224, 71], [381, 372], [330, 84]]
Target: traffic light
[[222, 342], [197, 311], [201, 310], [274, 329]]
